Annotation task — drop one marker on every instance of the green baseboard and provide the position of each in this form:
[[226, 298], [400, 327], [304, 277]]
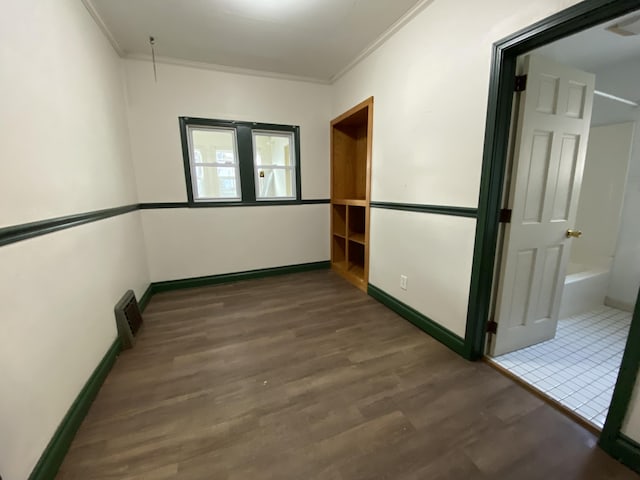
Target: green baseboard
[[157, 287], [421, 321], [53, 455], [166, 286], [623, 449], [146, 296]]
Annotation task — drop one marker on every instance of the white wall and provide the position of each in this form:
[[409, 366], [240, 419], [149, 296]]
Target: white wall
[[154, 109], [209, 241], [624, 80], [430, 85], [65, 146], [183, 243], [440, 289], [58, 292], [625, 273], [64, 150], [602, 195]]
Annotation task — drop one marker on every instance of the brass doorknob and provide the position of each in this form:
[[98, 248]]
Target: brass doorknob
[[574, 233]]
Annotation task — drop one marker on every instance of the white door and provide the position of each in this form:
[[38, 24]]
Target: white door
[[548, 159]]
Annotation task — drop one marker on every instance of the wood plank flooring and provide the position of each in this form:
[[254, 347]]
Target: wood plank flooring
[[305, 377]]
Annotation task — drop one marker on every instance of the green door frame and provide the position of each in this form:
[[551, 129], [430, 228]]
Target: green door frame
[[612, 439], [503, 68]]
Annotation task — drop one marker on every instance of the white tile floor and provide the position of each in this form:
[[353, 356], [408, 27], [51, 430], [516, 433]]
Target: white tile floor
[[580, 366]]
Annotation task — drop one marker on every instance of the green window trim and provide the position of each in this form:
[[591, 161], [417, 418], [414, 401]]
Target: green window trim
[[245, 151]]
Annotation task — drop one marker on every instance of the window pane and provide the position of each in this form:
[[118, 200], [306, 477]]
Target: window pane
[[213, 146], [224, 156], [275, 183], [216, 182], [273, 149]]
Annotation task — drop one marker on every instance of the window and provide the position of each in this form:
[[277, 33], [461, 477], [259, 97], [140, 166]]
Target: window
[[274, 165], [215, 163], [229, 162]]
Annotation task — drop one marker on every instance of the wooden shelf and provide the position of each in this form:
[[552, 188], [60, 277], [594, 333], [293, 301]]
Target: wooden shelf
[[354, 276], [338, 250], [341, 265], [357, 270], [357, 223], [350, 192], [357, 237], [339, 220], [356, 202]]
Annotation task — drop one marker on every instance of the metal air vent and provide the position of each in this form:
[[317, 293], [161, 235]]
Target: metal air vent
[[128, 319]]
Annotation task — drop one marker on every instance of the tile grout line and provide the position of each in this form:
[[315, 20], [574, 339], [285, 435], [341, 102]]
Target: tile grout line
[[593, 338]]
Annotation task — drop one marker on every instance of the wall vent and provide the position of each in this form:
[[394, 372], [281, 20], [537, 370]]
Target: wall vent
[[128, 319]]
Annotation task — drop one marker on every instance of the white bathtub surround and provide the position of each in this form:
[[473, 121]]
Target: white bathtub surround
[[602, 194], [579, 367], [585, 288], [587, 284], [625, 272]]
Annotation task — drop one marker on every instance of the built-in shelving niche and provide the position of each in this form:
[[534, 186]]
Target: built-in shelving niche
[[350, 192]]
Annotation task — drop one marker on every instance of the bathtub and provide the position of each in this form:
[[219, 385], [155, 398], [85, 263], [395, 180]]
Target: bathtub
[[585, 288]]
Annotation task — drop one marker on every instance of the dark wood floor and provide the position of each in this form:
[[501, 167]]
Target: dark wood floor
[[304, 376]]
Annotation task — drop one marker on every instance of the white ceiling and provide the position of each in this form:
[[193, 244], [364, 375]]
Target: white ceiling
[[596, 48], [316, 39]]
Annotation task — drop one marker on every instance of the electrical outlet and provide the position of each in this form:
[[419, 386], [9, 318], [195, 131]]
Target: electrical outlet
[[403, 282]]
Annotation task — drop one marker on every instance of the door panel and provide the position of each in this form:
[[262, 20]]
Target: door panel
[[550, 149], [576, 102], [566, 172], [550, 270], [526, 259], [548, 95], [536, 179]]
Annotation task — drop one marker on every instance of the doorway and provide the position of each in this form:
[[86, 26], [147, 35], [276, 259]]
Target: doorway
[[573, 20], [576, 363], [562, 310]]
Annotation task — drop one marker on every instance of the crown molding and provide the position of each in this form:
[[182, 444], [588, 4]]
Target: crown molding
[[377, 43], [226, 69], [103, 26]]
